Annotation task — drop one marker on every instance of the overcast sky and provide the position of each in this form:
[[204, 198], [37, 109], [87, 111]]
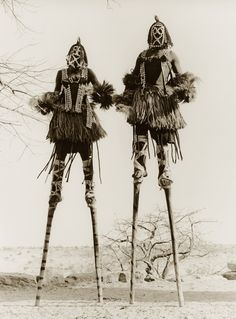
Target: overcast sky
[[203, 36]]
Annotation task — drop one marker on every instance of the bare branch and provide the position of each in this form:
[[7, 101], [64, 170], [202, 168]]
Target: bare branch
[[11, 7], [108, 3], [154, 246], [30, 116]]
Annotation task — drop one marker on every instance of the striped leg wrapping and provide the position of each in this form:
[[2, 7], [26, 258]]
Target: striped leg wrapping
[[45, 253], [56, 186], [89, 194], [140, 158], [164, 176], [89, 185]]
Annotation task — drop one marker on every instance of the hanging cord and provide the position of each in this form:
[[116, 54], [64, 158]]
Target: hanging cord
[[154, 148], [170, 72], [174, 153], [142, 75], [99, 163], [134, 141], [70, 161], [50, 161], [148, 146], [163, 80], [179, 146], [167, 157]]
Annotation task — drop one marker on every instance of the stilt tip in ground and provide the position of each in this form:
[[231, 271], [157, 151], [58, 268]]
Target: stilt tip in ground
[[131, 300], [181, 302], [37, 303]]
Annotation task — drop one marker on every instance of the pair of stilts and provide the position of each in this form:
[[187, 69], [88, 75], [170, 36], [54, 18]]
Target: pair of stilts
[[139, 173], [55, 198], [140, 152]]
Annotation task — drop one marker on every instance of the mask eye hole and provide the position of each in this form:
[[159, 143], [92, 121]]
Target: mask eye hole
[[75, 51]]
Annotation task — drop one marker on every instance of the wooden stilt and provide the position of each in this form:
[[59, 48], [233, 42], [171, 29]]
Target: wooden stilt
[[40, 278], [97, 256], [134, 239], [174, 246], [54, 199]]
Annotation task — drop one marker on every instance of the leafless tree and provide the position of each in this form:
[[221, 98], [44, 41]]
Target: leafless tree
[[13, 9], [19, 80], [154, 242], [109, 3]]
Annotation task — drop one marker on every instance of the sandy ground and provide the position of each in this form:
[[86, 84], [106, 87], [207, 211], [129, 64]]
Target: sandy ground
[[74, 302], [75, 310], [206, 296]]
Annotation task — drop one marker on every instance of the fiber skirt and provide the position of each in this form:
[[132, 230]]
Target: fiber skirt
[[155, 110], [70, 129]]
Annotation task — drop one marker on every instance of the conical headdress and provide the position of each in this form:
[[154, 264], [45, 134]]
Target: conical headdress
[[158, 35], [77, 56]]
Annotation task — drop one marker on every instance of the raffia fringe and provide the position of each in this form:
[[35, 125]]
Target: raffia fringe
[[72, 127], [156, 110]]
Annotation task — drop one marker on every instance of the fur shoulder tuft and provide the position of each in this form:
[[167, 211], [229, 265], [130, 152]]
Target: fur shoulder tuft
[[102, 95]]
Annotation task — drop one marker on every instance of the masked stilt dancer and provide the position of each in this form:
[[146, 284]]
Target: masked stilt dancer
[[153, 91], [73, 129]]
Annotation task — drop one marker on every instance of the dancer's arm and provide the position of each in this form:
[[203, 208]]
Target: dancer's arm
[[58, 82], [136, 69], [175, 63], [92, 78]]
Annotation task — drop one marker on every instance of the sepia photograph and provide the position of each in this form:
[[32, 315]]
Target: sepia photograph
[[117, 154]]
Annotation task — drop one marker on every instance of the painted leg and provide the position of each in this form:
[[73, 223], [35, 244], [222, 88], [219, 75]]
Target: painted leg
[[91, 202], [139, 173], [164, 176], [55, 197], [164, 180]]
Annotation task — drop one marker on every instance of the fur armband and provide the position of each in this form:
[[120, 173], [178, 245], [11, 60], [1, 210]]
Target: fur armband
[[131, 81], [125, 98], [45, 103], [183, 85], [102, 94]]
